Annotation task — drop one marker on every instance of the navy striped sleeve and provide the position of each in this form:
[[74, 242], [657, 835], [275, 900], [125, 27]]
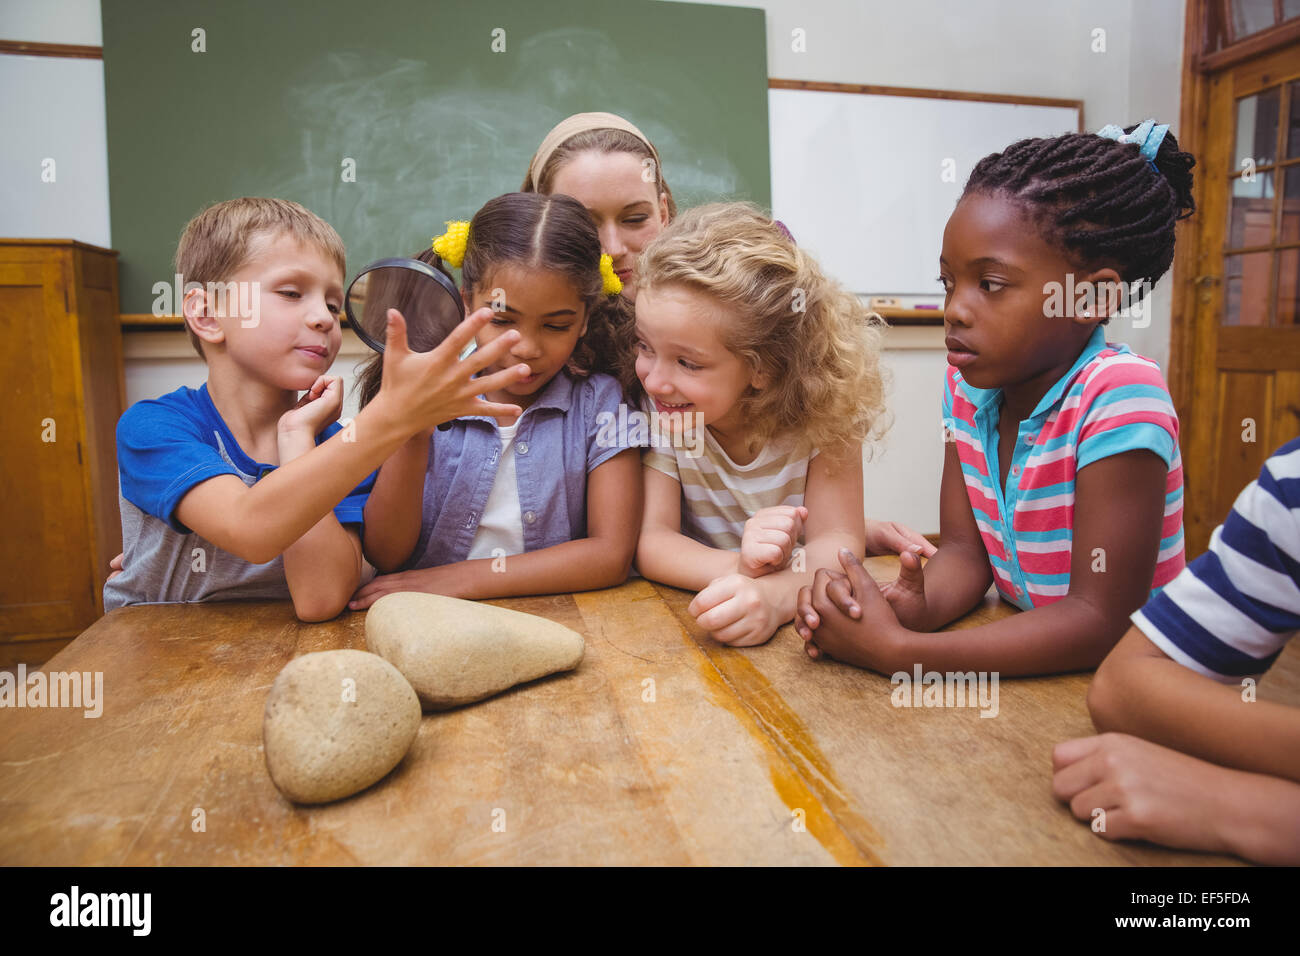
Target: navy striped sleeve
[[1232, 610]]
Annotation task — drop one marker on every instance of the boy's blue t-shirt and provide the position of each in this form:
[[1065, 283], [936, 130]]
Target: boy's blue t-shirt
[[165, 447]]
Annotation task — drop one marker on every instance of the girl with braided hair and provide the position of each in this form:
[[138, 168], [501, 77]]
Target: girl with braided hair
[[1062, 479]]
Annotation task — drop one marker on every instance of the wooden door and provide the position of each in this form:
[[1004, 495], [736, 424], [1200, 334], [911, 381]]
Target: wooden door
[[1241, 391]]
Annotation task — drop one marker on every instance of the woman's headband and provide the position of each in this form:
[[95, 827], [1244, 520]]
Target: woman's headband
[[567, 128]]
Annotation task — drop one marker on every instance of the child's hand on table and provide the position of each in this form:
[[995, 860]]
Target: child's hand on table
[[440, 580], [906, 593], [890, 537], [1149, 792], [735, 609], [769, 539], [845, 616]]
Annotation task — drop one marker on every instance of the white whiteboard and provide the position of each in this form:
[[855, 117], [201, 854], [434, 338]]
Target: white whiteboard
[[54, 164], [859, 178]]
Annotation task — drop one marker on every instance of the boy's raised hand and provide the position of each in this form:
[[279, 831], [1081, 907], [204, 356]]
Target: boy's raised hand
[[319, 406], [429, 388], [769, 539]]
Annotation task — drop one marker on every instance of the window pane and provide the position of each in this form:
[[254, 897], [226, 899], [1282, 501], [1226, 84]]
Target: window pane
[[1257, 127], [1250, 217], [1291, 206], [1290, 8], [1249, 285], [1293, 124], [1251, 16], [1288, 286]]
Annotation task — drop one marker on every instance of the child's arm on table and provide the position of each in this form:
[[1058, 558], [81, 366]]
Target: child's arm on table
[[1118, 513], [322, 567], [1139, 690], [890, 537], [666, 555], [1149, 792], [600, 560], [957, 576], [953, 581], [742, 611], [419, 390], [395, 507]]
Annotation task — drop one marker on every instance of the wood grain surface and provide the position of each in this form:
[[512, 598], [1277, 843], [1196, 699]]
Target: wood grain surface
[[663, 747]]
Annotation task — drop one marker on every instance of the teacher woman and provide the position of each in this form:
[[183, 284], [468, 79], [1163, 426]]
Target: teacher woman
[[609, 166]]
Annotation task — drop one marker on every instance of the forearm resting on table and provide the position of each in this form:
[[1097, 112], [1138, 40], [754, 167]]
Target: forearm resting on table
[[1071, 634], [323, 570], [1260, 819], [395, 507], [260, 523], [956, 578], [1140, 691], [672, 558], [585, 564]]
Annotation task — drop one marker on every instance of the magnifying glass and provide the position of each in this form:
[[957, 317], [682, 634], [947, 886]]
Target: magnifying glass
[[426, 297]]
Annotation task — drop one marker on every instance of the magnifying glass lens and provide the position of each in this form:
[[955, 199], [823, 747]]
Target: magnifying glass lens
[[431, 307]]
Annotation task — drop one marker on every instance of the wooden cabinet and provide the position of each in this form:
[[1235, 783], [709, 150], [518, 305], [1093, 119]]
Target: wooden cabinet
[[62, 394]]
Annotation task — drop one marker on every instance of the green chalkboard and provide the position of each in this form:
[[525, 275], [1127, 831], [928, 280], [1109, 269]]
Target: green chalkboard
[[412, 92]]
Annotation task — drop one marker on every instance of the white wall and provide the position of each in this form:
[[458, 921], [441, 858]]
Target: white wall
[[1022, 47], [54, 159], [52, 21]]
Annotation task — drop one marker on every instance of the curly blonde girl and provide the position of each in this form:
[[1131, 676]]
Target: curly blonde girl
[[817, 343]]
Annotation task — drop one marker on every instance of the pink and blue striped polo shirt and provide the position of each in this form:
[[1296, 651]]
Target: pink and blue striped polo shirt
[[1111, 401]]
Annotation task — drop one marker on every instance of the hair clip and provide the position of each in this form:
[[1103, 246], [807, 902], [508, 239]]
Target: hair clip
[[612, 284], [450, 246], [1147, 137]]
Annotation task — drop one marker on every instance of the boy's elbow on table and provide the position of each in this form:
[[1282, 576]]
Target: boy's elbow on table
[[1105, 693], [314, 608]]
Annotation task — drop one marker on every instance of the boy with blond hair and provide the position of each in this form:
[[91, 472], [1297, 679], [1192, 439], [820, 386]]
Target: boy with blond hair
[[242, 489]]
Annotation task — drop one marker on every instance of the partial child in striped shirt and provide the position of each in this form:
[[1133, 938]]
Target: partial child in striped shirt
[[766, 376], [1187, 756], [1062, 479]]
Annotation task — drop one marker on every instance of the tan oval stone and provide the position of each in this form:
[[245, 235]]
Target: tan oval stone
[[455, 652], [336, 722]]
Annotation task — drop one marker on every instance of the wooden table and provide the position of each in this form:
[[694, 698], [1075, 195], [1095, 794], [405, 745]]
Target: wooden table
[[662, 748]]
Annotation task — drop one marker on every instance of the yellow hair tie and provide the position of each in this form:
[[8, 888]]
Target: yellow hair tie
[[450, 246], [613, 285]]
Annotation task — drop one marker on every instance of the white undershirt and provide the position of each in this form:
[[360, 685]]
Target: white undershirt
[[501, 525]]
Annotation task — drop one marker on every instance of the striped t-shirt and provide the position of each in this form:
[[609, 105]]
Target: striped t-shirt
[[719, 496], [1233, 609], [1111, 401]]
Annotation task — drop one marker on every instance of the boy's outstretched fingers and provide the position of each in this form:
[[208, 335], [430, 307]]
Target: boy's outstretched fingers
[[395, 333], [459, 337]]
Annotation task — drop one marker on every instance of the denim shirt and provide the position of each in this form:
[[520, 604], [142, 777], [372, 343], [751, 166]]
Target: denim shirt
[[560, 439]]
